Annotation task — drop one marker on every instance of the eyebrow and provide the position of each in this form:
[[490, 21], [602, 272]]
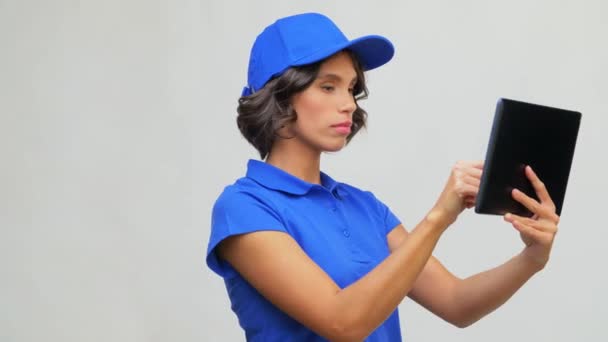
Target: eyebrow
[[336, 77]]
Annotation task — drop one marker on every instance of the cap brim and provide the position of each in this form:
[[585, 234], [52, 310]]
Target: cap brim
[[372, 51]]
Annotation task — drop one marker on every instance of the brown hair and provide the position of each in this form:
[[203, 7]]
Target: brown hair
[[263, 113]]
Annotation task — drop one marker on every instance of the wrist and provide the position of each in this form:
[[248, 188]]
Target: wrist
[[439, 218], [532, 262]]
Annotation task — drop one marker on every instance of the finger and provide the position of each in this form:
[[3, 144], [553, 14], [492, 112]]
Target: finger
[[467, 190], [478, 164], [470, 164], [469, 202], [542, 225], [539, 187], [548, 215], [530, 232], [529, 203], [546, 210], [474, 172], [474, 181], [473, 168]]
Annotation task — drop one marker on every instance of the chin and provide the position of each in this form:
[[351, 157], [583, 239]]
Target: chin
[[335, 147]]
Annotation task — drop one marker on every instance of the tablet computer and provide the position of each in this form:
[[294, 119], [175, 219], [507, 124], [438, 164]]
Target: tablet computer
[[526, 134]]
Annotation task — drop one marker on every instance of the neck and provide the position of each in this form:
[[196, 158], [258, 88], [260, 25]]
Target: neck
[[296, 160]]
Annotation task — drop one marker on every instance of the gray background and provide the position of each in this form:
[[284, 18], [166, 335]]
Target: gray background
[[117, 133]]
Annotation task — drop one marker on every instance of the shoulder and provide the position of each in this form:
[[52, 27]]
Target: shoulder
[[241, 208], [245, 207], [241, 193]]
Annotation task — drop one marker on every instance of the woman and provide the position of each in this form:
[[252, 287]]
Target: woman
[[306, 258]]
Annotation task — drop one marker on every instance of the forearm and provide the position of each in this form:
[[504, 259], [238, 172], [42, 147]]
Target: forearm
[[480, 294], [368, 302]]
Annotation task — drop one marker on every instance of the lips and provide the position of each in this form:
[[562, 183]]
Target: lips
[[343, 128], [344, 124]]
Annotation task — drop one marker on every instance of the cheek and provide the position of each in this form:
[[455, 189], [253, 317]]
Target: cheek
[[311, 109]]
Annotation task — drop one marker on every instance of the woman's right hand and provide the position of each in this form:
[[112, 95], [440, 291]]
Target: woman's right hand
[[461, 189]]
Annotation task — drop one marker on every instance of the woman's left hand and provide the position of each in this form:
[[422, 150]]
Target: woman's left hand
[[538, 231]]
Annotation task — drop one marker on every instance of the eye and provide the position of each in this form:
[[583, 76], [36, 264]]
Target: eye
[[328, 88]]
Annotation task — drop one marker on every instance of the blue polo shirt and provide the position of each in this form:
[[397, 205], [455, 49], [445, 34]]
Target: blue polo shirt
[[343, 229]]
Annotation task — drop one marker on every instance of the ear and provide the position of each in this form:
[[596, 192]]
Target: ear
[[287, 131]]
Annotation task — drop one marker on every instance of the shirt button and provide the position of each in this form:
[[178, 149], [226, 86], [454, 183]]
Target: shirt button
[[334, 209], [346, 232]]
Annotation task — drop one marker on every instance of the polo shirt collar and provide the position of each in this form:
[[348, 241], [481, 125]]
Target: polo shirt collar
[[274, 178]]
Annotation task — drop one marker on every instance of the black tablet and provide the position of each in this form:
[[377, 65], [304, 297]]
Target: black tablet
[[526, 134]]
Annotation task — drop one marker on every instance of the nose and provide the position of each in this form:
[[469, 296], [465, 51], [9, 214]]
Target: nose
[[348, 104]]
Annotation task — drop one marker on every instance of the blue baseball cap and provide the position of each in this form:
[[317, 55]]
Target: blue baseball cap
[[304, 39]]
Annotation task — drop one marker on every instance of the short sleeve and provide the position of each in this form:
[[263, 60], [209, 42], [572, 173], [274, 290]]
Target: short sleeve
[[234, 213], [390, 220]]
